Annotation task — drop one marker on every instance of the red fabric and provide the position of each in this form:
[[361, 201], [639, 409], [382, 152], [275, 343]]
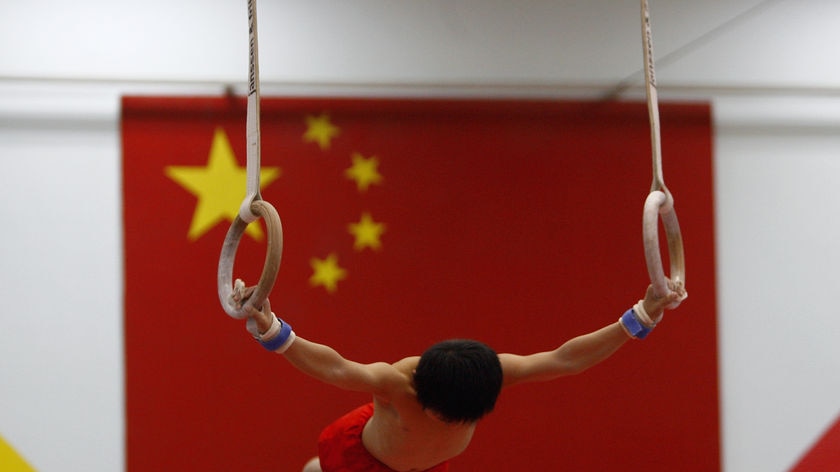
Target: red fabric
[[514, 222], [340, 446]]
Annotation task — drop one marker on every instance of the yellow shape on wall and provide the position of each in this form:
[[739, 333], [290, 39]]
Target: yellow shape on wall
[[319, 129], [365, 171], [327, 272], [367, 233], [10, 460]]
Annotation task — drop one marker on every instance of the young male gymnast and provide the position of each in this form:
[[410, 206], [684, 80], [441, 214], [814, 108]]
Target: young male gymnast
[[425, 409]]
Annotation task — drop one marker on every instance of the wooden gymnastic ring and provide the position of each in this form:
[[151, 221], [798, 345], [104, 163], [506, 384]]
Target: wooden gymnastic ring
[[658, 205], [273, 254]]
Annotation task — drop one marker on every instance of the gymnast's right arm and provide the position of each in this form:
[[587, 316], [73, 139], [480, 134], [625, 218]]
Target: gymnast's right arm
[[585, 351], [319, 361]]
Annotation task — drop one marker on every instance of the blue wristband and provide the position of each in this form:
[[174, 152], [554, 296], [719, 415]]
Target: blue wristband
[[281, 338], [631, 323]]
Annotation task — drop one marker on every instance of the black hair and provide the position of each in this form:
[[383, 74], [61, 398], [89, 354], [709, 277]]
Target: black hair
[[459, 379]]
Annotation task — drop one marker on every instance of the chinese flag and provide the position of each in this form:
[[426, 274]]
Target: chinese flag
[[517, 223]]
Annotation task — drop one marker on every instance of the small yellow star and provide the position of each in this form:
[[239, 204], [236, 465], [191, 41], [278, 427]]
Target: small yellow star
[[219, 187], [364, 171], [367, 233], [320, 130], [326, 272]]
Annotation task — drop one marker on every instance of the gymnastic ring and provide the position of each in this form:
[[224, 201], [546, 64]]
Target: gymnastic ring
[[273, 254], [660, 204]]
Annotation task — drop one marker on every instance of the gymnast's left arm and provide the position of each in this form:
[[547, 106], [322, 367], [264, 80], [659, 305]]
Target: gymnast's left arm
[[582, 352]]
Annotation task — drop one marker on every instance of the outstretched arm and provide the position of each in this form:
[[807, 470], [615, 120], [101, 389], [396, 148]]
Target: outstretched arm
[[327, 365], [580, 353]]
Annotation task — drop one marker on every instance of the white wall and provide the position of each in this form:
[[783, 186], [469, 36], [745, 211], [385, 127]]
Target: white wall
[[777, 171], [61, 334], [777, 191]]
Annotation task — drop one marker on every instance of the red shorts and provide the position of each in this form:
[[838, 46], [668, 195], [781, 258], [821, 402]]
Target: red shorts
[[340, 447]]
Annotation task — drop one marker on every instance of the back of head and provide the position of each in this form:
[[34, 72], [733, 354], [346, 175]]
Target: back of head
[[459, 379]]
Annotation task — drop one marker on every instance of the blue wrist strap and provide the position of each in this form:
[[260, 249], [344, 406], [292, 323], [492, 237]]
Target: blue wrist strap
[[631, 323], [281, 338]]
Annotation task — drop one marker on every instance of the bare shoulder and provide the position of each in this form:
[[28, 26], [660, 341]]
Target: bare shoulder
[[407, 365], [400, 385], [396, 379]]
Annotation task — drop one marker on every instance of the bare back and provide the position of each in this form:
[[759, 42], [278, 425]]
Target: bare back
[[404, 436]]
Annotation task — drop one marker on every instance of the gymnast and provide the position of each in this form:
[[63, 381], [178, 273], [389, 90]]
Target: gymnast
[[424, 409]]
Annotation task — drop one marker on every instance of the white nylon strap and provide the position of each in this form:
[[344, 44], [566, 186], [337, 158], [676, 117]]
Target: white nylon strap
[[660, 202], [252, 119], [652, 99]]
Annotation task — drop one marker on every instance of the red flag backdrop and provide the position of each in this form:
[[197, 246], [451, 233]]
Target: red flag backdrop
[[517, 223]]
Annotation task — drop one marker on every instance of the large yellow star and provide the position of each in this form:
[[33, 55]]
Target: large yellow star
[[326, 272], [219, 187], [364, 171], [367, 233], [320, 130]]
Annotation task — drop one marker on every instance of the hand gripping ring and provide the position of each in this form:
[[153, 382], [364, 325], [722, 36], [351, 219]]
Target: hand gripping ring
[[274, 251], [661, 204]]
